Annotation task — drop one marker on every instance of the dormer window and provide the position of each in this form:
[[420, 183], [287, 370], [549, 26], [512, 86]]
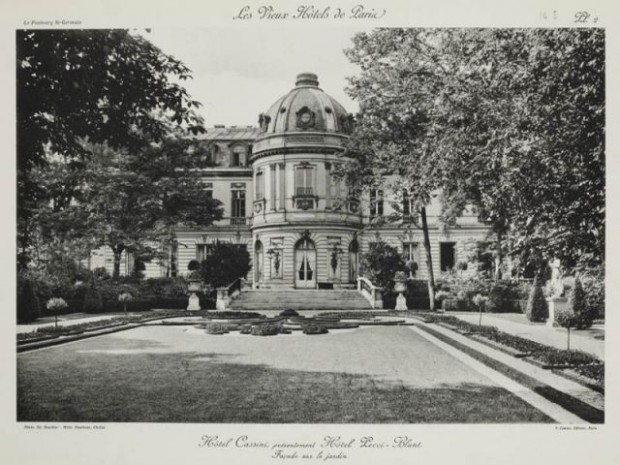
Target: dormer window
[[238, 157]]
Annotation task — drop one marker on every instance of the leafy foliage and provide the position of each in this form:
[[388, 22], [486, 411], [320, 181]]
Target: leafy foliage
[[28, 305], [226, 263], [584, 316], [92, 298], [593, 280], [110, 87], [380, 264], [510, 121]]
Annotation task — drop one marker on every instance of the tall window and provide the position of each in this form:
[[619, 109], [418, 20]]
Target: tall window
[[260, 185], [304, 180], [237, 210], [376, 202], [446, 255], [408, 213], [203, 251], [209, 190], [411, 255]]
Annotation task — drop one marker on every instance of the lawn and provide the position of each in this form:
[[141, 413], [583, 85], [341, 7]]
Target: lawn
[[171, 374]]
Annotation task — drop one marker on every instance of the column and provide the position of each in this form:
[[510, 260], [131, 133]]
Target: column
[[281, 177], [272, 187], [328, 186]]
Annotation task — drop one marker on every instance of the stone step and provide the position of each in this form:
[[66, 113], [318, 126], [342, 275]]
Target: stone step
[[300, 299]]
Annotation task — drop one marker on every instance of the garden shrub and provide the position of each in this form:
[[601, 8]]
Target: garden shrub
[[462, 288], [313, 329], [230, 315], [593, 282], [164, 287], [171, 303], [216, 328], [226, 263], [28, 304], [92, 298], [101, 273], [417, 294], [584, 315], [136, 305], [537, 309], [566, 357], [265, 330], [289, 312], [380, 264]]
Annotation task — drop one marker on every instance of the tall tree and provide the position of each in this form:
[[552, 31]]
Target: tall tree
[[100, 86], [130, 202], [510, 121], [525, 138], [393, 139]]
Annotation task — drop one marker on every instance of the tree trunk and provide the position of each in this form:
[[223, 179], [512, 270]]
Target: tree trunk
[[429, 261], [568, 340], [500, 258], [118, 251]]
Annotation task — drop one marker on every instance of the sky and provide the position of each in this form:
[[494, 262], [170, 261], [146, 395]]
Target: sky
[[239, 72]]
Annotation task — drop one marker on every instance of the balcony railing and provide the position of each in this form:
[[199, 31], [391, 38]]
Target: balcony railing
[[238, 221], [304, 192]]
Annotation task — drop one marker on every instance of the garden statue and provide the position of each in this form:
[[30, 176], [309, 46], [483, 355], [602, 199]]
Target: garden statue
[[400, 285], [557, 283]]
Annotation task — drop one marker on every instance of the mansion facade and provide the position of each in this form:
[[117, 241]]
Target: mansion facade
[[283, 203]]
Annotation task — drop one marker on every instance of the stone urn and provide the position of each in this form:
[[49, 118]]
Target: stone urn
[[400, 286], [194, 285]]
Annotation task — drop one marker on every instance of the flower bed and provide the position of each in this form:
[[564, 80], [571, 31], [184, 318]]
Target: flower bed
[[583, 363], [77, 328], [229, 315], [350, 315]]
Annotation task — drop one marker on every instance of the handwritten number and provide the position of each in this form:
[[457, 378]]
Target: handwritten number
[[582, 17]]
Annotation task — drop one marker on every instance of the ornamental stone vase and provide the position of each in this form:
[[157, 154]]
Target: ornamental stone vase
[[194, 285], [400, 286]]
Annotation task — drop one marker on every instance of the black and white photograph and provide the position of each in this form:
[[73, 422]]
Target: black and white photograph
[[259, 225]]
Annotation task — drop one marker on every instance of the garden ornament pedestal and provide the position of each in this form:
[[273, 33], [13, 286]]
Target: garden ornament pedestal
[[193, 287], [556, 304], [400, 287]]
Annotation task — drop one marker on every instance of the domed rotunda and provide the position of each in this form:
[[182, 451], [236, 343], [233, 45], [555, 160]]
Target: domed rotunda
[[304, 226]]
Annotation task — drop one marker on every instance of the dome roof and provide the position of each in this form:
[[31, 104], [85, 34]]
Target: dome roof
[[306, 108]]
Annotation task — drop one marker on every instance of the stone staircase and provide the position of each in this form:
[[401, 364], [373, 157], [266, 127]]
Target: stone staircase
[[299, 299]]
